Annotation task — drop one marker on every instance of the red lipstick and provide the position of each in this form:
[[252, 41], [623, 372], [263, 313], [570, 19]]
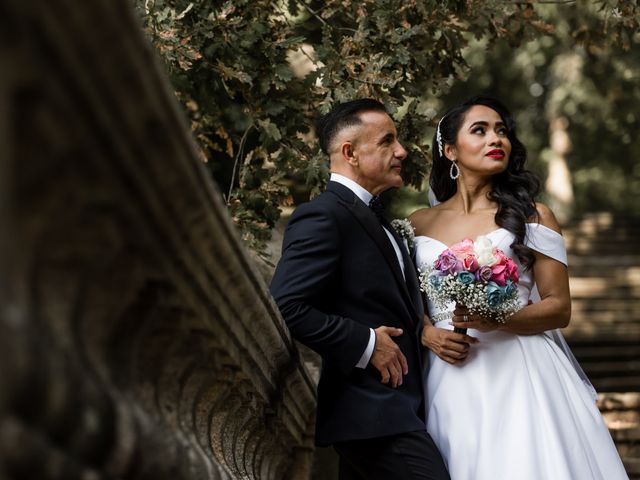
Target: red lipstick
[[496, 153]]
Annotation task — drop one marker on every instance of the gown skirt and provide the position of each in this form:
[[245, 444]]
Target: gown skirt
[[516, 409]]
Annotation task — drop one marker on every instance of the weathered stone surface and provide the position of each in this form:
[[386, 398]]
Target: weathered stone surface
[[137, 340]]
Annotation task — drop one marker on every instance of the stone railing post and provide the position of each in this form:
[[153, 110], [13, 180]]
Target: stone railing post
[[137, 339]]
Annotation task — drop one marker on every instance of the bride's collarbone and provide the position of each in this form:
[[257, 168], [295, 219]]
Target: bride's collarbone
[[452, 231]]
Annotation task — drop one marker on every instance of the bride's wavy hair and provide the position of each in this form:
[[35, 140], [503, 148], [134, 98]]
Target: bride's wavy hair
[[514, 190]]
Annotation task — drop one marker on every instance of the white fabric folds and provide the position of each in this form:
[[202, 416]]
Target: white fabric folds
[[518, 407]]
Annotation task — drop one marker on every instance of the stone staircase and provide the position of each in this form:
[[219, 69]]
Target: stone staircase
[[604, 267]]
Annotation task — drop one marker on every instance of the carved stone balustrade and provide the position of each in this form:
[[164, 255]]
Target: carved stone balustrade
[[137, 340]]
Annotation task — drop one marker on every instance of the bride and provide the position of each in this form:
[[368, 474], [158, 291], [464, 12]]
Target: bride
[[506, 401]]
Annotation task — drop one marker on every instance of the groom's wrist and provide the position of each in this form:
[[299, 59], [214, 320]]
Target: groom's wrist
[[368, 352]]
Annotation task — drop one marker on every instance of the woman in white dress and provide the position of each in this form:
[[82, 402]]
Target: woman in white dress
[[504, 401]]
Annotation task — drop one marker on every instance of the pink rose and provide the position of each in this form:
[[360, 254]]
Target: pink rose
[[512, 271], [464, 250], [499, 271], [500, 256], [470, 263]]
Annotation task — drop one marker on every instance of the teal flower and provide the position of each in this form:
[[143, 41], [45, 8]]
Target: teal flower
[[465, 277], [435, 280], [495, 294]]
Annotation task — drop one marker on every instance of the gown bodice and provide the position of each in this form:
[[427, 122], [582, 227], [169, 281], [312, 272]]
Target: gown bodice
[[538, 237]]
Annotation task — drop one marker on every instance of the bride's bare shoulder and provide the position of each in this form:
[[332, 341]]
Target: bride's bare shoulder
[[544, 216]]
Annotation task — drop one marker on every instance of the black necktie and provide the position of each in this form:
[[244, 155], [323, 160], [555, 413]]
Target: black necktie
[[375, 204]]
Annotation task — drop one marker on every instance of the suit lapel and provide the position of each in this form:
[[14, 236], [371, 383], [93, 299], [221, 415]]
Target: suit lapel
[[372, 226], [410, 274]]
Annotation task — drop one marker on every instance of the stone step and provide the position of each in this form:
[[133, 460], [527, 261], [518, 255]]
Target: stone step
[[632, 466], [619, 226], [605, 287], [580, 320], [628, 450], [623, 234], [619, 401], [593, 309], [626, 435], [621, 412], [598, 221], [614, 381], [611, 368], [604, 334], [596, 352], [602, 248], [622, 421], [597, 305], [604, 266], [619, 234], [608, 290], [603, 317], [616, 384], [586, 330]]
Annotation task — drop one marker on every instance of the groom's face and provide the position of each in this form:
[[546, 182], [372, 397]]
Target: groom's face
[[377, 153]]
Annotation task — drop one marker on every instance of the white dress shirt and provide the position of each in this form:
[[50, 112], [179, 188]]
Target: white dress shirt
[[366, 197]]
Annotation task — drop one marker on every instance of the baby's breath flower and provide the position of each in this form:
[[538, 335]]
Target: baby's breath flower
[[405, 230], [442, 290], [403, 227]]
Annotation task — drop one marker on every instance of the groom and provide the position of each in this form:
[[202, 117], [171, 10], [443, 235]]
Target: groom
[[347, 288]]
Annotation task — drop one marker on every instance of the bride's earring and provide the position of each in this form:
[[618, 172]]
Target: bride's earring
[[454, 171]]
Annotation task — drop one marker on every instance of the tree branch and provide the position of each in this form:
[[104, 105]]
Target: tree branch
[[549, 2], [315, 14], [237, 160]]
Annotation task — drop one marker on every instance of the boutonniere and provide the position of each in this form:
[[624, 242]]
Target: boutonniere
[[405, 231]]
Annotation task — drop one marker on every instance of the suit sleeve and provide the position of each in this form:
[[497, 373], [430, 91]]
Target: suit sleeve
[[303, 282]]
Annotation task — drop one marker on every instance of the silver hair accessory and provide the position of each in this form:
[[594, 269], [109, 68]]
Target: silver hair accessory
[[439, 138]]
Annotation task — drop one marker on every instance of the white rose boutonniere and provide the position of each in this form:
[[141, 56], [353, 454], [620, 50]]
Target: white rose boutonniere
[[405, 231]]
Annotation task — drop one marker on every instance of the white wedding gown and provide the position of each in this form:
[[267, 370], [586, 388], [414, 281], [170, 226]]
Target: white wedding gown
[[516, 409]]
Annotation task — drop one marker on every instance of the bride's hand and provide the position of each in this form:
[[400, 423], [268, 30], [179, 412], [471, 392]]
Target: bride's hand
[[462, 318], [449, 346]]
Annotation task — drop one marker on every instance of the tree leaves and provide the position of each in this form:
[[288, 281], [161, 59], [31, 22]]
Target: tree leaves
[[277, 65]]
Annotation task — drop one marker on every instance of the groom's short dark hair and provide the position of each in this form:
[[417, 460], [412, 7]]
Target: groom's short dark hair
[[342, 116]]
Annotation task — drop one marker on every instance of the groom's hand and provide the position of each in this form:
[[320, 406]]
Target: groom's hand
[[387, 356], [449, 346]]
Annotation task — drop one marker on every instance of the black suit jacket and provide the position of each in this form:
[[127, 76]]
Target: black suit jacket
[[338, 277]]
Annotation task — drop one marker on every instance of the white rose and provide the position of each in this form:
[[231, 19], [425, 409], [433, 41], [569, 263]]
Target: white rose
[[483, 249]]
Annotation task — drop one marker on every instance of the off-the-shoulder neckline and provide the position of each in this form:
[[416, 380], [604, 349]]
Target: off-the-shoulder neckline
[[489, 233]]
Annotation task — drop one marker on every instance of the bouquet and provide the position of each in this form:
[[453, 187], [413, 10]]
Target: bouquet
[[474, 274]]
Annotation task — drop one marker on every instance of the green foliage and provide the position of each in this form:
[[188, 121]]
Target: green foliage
[[254, 75]]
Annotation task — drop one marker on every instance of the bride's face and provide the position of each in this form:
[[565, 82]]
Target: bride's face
[[482, 145]]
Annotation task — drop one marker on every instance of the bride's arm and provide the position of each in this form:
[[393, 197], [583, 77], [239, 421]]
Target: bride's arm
[[552, 278], [554, 308], [552, 311]]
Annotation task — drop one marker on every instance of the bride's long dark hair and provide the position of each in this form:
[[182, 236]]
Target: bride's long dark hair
[[514, 190]]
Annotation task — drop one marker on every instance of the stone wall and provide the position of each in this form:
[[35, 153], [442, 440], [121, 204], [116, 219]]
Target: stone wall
[[137, 339]]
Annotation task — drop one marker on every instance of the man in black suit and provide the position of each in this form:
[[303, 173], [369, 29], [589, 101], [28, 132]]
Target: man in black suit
[[347, 288]]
